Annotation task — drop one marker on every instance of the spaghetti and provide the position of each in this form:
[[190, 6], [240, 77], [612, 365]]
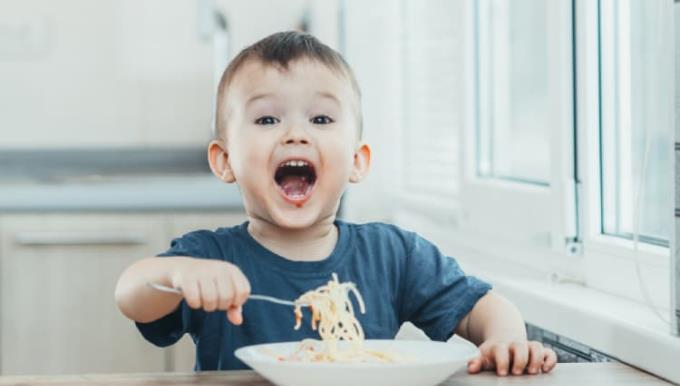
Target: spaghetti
[[333, 317]]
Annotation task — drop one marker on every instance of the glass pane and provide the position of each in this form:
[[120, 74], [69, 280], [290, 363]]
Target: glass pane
[[512, 86], [636, 130]]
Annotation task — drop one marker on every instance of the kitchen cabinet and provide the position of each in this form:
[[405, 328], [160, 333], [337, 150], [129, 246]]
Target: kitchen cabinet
[[57, 278]]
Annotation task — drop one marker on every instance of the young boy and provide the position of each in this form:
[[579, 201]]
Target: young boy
[[288, 131]]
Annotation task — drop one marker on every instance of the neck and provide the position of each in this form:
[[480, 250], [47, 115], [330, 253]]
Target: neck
[[306, 244]]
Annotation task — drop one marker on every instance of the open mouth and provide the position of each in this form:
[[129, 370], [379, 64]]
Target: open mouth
[[295, 179]]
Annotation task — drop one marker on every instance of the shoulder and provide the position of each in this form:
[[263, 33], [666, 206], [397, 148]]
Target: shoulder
[[203, 242], [203, 236], [379, 229], [383, 233]]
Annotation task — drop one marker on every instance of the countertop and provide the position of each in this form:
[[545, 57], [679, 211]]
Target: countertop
[[124, 193], [567, 374], [112, 179]]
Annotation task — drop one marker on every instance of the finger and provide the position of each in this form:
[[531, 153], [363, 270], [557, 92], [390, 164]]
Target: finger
[[501, 358], [475, 365], [536, 355], [241, 288], [208, 294], [191, 293], [549, 360], [520, 357], [225, 293], [235, 315]]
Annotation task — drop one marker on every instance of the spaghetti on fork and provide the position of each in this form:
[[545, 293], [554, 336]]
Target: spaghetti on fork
[[333, 317]]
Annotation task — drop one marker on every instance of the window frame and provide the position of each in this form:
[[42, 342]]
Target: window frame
[[544, 216], [578, 249], [563, 235], [601, 249]]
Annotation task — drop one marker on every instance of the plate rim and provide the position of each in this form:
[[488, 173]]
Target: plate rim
[[474, 352]]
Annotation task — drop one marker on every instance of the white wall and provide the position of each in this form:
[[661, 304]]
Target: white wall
[[78, 73], [373, 49], [423, 83]]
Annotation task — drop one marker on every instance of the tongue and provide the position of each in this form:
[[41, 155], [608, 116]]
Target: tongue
[[294, 186]]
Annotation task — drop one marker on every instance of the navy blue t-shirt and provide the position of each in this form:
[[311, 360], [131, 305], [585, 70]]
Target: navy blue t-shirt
[[401, 276]]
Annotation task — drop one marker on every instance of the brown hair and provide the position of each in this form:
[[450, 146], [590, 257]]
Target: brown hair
[[280, 49]]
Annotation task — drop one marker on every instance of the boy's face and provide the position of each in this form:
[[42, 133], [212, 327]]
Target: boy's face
[[291, 141]]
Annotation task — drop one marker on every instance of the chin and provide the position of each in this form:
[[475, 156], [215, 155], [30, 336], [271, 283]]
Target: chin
[[297, 218]]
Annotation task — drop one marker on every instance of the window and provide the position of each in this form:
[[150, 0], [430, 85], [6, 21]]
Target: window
[[513, 112], [523, 126], [572, 117], [636, 137], [518, 179], [625, 106]]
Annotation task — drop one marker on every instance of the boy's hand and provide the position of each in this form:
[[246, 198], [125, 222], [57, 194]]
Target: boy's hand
[[513, 357], [212, 285]]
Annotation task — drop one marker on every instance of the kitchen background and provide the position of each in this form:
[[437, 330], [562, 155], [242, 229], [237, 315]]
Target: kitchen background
[[531, 139]]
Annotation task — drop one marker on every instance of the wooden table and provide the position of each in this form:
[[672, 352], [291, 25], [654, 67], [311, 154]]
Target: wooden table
[[567, 374]]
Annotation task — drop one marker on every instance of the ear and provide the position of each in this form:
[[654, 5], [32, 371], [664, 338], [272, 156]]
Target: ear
[[218, 157], [362, 163]]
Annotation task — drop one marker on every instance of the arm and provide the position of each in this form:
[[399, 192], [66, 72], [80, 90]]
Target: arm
[[492, 317], [207, 284], [137, 300], [497, 327]]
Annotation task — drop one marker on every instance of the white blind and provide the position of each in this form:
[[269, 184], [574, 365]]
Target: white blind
[[432, 81]]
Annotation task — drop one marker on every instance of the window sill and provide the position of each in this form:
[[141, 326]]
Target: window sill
[[621, 328]]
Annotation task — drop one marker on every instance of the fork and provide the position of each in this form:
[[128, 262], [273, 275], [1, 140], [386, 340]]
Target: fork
[[266, 298]]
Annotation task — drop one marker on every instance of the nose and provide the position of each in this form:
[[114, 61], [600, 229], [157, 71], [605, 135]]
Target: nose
[[295, 134]]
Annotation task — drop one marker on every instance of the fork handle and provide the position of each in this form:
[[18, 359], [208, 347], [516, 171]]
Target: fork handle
[[271, 299], [164, 288], [178, 291]]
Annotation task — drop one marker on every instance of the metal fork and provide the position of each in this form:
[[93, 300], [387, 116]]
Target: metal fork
[[266, 298]]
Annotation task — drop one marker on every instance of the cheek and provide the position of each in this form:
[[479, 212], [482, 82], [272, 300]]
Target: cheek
[[340, 164], [250, 158]]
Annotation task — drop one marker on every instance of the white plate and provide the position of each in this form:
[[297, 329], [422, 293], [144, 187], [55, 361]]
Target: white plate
[[428, 363]]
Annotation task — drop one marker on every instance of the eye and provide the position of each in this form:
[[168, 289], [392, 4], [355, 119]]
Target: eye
[[322, 120], [266, 120]]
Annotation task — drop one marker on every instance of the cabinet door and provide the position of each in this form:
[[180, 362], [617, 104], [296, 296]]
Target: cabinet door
[[183, 355], [57, 280]]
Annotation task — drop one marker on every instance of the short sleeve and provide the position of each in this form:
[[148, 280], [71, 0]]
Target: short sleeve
[[436, 294], [170, 328], [194, 244]]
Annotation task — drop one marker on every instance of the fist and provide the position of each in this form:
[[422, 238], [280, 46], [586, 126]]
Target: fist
[[212, 285]]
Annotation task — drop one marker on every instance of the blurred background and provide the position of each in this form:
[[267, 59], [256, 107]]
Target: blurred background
[[531, 139]]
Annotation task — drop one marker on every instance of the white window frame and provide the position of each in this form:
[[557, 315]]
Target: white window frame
[[537, 231], [541, 216], [602, 250]]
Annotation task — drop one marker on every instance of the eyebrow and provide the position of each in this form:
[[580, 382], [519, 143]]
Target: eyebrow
[[322, 94], [329, 95], [258, 96]]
